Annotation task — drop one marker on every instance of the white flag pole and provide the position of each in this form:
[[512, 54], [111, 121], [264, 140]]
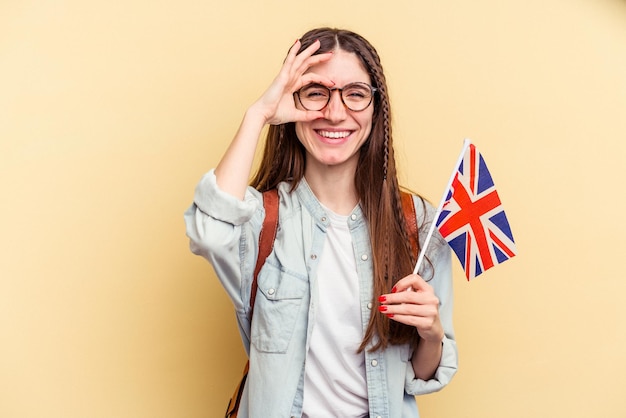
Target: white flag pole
[[466, 144]]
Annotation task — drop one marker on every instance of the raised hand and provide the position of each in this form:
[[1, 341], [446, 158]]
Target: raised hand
[[277, 103], [275, 106]]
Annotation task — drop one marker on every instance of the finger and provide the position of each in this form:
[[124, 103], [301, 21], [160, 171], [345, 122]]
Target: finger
[[314, 60], [309, 50], [423, 324], [301, 76], [427, 324], [410, 290], [313, 78], [429, 309], [295, 58], [307, 115], [294, 50], [412, 282], [426, 328], [412, 299], [295, 66]]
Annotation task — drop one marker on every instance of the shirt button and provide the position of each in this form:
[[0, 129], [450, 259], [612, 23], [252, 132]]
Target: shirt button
[[374, 363], [271, 291], [364, 257], [353, 217], [323, 219], [313, 256], [369, 305]]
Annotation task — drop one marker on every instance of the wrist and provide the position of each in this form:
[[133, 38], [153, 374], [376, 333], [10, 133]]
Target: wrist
[[432, 339], [255, 115]]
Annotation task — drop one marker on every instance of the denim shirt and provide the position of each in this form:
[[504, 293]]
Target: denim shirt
[[225, 231]]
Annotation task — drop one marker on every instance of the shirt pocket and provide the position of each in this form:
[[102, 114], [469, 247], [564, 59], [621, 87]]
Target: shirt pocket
[[277, 308]]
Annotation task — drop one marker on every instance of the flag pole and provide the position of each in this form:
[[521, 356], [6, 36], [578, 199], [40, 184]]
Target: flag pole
[[433, 224]]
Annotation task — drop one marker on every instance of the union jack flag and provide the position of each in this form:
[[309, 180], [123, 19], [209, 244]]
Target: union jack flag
[[472, 219]]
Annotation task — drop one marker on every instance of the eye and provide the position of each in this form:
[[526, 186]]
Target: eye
[[356, 92], [314, 92]]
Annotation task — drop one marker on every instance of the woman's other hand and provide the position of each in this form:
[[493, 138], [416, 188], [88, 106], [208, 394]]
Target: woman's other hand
[[413, 302]]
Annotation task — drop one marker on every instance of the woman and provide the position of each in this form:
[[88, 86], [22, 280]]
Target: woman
[[340, 328]]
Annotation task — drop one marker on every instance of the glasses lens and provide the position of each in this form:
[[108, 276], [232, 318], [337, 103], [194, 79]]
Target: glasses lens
[[314, 96], [357, 96]]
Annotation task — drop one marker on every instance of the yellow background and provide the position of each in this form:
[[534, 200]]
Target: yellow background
[[111, 111]]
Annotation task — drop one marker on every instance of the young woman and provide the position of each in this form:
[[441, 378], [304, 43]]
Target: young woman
[[340, 326]]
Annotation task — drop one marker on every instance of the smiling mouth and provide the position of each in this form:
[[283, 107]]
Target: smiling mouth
[[333, 134]]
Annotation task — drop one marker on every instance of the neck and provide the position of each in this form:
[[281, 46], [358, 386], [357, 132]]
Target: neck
[[334, 188]]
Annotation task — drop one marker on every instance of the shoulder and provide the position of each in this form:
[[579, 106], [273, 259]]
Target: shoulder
[[287, 203], [424, 211]]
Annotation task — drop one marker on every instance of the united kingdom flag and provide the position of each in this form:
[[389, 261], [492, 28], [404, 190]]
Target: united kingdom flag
[[472, 219]]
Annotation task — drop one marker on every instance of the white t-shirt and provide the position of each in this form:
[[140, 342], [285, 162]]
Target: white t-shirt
[[334, 379]]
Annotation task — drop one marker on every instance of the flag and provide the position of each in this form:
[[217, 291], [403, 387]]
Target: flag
[[472, 219]]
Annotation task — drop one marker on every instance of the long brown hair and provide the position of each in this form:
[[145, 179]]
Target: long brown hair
[[375, 180]]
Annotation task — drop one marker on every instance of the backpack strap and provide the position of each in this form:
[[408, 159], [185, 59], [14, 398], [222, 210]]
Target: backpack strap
[[266, 237], [408, 207], [266, 243]]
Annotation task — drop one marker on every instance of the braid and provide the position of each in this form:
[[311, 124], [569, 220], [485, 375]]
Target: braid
[[386, 138], [381, 84]]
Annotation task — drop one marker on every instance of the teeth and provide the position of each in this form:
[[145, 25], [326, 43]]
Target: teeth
[[334, 135]]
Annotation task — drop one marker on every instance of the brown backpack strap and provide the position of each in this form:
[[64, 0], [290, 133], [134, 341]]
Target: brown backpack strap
[[266, 243], [408, 207], [232, 409], [266, 237]]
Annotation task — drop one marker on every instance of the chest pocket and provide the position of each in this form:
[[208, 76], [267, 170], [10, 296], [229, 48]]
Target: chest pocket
[[279, 308]]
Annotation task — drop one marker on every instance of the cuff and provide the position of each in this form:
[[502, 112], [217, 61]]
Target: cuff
[[446, 370], [221, 205]]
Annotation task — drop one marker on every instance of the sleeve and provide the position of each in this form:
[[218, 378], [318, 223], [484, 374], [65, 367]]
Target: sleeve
[[437, 270], [224, 230]]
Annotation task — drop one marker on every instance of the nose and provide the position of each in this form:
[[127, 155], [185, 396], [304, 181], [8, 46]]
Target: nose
[[335, 110]]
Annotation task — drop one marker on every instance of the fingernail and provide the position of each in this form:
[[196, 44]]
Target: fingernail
[[382, 298], [382, 308], [394, 290], [389, 315]]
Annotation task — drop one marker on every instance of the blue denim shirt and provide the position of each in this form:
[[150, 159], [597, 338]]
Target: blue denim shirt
[[225, 231]]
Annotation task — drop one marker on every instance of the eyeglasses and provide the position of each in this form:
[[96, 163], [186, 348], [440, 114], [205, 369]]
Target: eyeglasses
[[355, 96]]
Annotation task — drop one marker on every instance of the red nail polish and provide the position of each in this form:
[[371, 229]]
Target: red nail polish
[[382, 298], [382, 308], [389, 315], [394, 290]]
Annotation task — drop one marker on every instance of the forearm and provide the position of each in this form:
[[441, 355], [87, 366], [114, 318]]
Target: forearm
[[233, 170], [426, 358]]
